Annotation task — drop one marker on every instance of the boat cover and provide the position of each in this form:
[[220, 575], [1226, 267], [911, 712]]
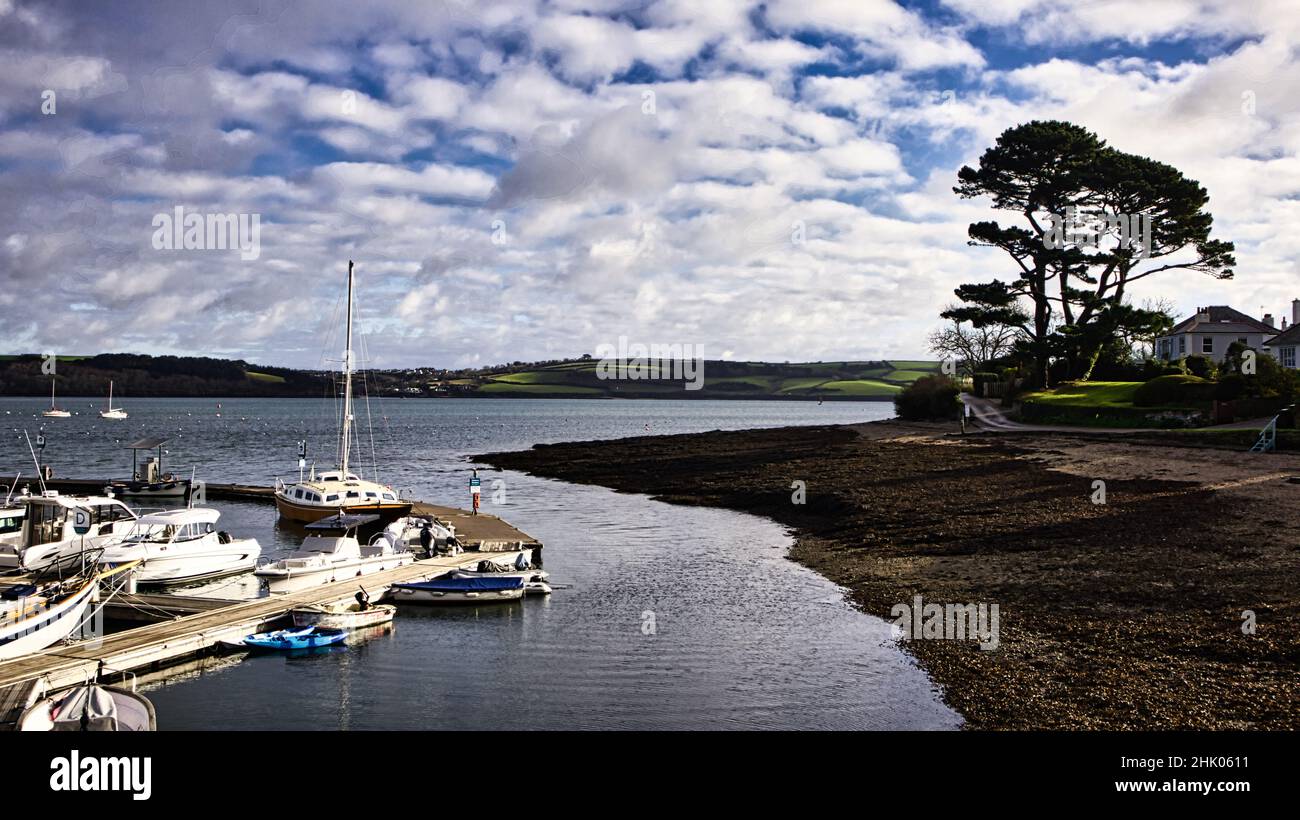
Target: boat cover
[[93, 703], [478, 584]]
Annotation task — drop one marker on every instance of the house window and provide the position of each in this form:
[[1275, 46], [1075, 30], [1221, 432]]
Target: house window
[[1242, 339], [1286, 355], [1207, 344], [1182, 345]]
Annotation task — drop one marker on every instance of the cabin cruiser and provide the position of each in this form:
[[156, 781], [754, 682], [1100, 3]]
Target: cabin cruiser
[[339, 490], [179, 546], [325, 558], [48, 541]]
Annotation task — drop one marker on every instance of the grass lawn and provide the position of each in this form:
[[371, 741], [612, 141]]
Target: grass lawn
[[265, 377], [1087, 394]]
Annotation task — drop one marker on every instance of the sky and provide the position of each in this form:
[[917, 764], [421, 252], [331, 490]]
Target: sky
[[527, 180]]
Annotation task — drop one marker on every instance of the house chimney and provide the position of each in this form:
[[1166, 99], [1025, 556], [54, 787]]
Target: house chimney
[[1295, 312], [1268, 319]]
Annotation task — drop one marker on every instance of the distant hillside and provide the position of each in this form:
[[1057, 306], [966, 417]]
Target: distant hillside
[[139, 375], [842, 381]]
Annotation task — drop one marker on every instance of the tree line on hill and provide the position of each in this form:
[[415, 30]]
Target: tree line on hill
[[143, 375]]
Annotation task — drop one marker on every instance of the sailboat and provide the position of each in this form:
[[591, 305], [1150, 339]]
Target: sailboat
[[339, 491], [55, 412], [112, 412]]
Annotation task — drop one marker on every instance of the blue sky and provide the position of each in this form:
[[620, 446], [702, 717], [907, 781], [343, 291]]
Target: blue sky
[[527, 180]]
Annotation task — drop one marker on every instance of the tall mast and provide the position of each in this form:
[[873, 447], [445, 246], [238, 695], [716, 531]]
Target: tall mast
[[347, 383]]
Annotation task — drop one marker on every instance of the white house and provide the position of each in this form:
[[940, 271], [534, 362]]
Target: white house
[[1212, 329], [1283, 346]]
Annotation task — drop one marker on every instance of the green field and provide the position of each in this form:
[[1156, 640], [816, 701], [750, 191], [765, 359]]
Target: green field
[[861, 387], [266, 377], [1087, 394]]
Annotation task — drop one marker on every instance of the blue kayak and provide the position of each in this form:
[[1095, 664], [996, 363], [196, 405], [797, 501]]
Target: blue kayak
[[305, 637]]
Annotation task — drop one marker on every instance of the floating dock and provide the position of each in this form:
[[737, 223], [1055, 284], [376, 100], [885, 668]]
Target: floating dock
[[483, 533], [183, 627]]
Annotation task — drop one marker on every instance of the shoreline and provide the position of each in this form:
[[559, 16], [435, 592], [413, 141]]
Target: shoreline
[[1122, 615]]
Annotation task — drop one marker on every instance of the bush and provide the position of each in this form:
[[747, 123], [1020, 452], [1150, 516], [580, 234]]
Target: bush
[[1174, 391], [1199, 366], [929, 398], [1231, 387], [1155, 368]]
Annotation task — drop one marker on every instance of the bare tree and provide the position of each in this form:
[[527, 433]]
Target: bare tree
[[972, 348]]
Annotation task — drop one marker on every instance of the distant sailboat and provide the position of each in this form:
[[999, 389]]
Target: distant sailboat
[[55, 412], [112, 412]]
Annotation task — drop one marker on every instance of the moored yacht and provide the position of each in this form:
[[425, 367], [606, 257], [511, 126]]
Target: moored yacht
[[34, 616], [55, 412], [340, 490], [111, 412], [179, 546], [49, 541]]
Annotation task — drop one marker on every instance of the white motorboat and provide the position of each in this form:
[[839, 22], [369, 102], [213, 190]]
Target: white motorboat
[[48, 541], [12, 518], [91, 707], [180, 546], [111, 412], [323, 559], [340, 490], [407, 532], [55, 412]]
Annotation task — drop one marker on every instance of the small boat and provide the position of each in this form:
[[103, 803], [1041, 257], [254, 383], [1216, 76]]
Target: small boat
[[111, 412], [150, 481], [343, 615], [453, 590], [180, 546], [534, 579], [310, 637], [91, 707], [323, 559], [55, 412]]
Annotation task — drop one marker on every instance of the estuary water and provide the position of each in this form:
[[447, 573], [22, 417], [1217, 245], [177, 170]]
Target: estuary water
[[663, 617]]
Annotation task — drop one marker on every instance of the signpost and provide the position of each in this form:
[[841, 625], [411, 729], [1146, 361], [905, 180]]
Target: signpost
[[474, 489]]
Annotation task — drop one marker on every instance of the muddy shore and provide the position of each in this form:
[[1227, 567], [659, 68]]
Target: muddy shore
[[1126, 614]]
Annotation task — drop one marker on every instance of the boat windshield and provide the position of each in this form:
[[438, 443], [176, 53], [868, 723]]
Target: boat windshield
[[145, 532]]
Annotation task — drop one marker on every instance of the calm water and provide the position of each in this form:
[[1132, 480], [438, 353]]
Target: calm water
[[739, 636]]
